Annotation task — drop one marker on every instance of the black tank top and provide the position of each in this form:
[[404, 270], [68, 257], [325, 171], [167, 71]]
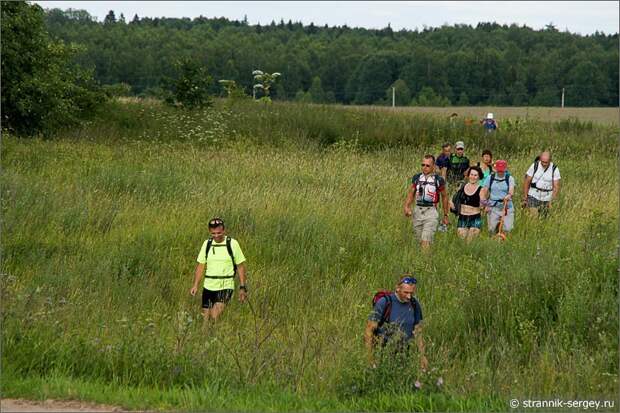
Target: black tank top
[[472, 200]]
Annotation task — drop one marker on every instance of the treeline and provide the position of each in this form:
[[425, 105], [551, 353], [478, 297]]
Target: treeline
[[490, 64]]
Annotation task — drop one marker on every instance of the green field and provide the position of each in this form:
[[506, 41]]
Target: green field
[[102, 225]]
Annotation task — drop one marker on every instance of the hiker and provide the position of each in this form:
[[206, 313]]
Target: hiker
[[452, 118], [426, 187], [396, 318], [486, 165], [219, 260], [497, 195], [458, 164], [469, 218], [489, 124], [541, 186], [443, 160]]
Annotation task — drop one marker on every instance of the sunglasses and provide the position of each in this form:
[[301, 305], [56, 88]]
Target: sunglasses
[[426, 164], [460, 149], [216, 222], [408, 280]]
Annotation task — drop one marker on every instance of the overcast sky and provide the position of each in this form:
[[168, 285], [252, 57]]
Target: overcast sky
[[584, 17]]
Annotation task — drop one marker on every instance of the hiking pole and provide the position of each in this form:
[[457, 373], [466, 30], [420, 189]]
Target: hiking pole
[[501, 235]]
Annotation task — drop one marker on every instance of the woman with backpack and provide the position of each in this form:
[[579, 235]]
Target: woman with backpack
[[468, 198]]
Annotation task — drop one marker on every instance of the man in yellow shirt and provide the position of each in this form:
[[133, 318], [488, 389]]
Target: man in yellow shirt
[[219, 260]]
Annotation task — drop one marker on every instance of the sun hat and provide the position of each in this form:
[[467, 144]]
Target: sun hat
[[489, 115]]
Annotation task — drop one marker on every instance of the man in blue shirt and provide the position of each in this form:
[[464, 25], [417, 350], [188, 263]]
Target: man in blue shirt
[[396, 318], [443, 160]]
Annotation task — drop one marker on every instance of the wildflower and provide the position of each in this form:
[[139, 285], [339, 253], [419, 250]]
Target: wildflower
[[257, 72], [439, 382], [418, 385]]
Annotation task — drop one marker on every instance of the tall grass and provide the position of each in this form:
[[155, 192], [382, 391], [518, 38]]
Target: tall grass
[[101, 228]]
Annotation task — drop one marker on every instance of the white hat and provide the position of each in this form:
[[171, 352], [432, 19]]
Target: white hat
[[489, 115], [459, 145]]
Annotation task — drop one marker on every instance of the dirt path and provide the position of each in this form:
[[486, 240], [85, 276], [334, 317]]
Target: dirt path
[[19, 405]]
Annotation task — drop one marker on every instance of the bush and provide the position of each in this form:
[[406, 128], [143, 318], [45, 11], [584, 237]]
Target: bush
[[191, 87]]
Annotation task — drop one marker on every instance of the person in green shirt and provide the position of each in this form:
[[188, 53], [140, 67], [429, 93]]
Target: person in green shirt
[[219, 260]]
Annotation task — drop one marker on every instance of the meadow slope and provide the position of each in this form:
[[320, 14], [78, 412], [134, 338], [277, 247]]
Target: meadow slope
[[102, 225]]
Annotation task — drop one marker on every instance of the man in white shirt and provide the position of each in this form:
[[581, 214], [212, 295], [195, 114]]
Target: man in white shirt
[[541, 186]]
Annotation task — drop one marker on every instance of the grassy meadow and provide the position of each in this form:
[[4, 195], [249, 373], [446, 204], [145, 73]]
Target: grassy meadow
[[102, 225]]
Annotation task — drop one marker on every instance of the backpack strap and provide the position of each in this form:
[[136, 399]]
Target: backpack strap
[[209, 244], [230, 252], [387, 311]]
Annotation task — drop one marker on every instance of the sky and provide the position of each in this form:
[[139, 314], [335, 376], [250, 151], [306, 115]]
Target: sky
[[583, 17]]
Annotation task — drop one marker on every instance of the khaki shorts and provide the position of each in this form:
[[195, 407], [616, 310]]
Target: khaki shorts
[[425, 220]]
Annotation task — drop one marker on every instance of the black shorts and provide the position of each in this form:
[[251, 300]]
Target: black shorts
[[210, 297]]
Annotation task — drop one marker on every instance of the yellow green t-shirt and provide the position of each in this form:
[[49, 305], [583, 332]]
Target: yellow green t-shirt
[[219, 264]]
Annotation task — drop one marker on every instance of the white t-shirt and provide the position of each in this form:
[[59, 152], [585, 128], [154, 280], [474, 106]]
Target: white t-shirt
[[543, 180]]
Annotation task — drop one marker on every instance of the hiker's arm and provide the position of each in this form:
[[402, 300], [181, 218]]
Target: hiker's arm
[[526, 188], [443, 171], [200, 270], [369, 339], [409, 201], [420, 343], [556, 190], [511, 191], [484, 201], [242, 280], [446, 206]]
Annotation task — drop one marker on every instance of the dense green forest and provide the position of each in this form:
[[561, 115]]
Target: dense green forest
[[490, 64]]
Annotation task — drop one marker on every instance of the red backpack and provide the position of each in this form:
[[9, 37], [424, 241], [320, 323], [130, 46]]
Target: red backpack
[[387, 311]]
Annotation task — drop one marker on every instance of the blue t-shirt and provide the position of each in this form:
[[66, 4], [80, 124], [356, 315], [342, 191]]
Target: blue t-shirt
[[443, 161], [489, 124], [403, 317], [499, 190]]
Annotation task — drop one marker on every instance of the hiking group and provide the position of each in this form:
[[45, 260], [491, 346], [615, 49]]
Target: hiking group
[[484, 188]]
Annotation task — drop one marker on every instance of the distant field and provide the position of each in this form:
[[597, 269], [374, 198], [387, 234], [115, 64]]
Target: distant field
[[598, 115]]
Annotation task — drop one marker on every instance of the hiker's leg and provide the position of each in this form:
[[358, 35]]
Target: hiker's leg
[[492, 220], [417, 223], [222, 298], [509, 220], [207, 303], [472, 233], [462, 232], [430, 217], [217, 310], [532, 206]]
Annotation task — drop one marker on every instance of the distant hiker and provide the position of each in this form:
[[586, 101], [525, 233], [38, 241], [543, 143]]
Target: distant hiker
[[542, 185], [396, 318], [489, 124], [468, 205], [486, 165], [426, 188], [443, 160], [219, 260], [498, 189], [453, 118], [458, 164]]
